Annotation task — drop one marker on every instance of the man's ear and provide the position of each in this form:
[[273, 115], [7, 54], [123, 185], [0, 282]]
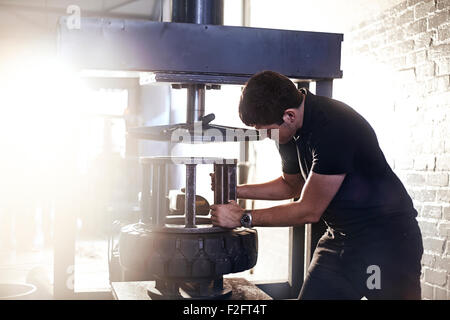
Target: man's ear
[[289, 116]]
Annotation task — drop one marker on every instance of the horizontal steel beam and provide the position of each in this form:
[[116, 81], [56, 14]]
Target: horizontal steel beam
[[132, 45]]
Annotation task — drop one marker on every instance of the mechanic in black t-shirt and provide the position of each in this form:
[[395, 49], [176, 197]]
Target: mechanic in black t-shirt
[[331, 160]]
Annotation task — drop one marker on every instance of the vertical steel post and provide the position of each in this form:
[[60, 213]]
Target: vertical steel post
[[297, 262], [162, 194], [219, 176], [68, 202], [195, 102], [325, 88], [232, 182], [145, 193], [189, 205], [297, 248], [225, 184], [155, 204], [198, 11], [64, 244], [315, 230]]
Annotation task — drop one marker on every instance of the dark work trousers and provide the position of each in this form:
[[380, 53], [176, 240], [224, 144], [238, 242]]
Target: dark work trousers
[[382, 262]]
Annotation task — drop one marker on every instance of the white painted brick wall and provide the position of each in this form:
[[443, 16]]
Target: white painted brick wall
[[412, 40]]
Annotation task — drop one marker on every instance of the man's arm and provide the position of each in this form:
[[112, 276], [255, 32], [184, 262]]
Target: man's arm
[[287, 186], [317, 194]]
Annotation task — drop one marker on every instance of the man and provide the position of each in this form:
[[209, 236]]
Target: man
[[332, 161]]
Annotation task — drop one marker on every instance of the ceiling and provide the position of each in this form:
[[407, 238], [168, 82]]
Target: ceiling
[[149, 9], [282, 14]]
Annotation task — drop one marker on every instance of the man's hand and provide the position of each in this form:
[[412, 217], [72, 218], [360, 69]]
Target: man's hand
[[213, 181], [227, 215]]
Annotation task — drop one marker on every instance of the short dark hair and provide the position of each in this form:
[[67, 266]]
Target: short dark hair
[[265, 97]]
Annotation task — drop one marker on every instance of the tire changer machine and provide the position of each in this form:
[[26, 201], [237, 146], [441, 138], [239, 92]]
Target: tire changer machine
[[186, 254]]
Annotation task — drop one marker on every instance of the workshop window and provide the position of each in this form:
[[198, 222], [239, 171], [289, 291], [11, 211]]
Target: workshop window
[[102, 167]]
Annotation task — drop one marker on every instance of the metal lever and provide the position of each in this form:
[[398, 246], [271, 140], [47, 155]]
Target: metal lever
[[207, 119]]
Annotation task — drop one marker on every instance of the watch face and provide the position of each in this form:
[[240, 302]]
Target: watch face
[[245, 221]]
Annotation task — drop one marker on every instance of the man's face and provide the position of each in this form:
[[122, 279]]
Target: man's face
[[283, 133]]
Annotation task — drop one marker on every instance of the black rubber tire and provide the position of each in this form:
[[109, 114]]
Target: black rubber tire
[[187, 255]]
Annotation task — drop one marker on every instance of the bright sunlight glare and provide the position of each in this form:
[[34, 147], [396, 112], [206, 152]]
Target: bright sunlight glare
[[41, 104]]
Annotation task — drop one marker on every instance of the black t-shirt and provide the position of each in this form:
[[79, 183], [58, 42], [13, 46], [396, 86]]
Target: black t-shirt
[[335, 139]]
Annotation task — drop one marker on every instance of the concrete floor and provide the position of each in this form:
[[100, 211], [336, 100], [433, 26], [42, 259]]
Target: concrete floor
[[91, 266], [15, 266]]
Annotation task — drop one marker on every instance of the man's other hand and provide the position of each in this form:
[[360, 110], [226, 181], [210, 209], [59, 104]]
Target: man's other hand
[[213, 181]]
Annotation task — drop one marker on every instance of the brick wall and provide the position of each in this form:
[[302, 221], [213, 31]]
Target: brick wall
[[412, 41]]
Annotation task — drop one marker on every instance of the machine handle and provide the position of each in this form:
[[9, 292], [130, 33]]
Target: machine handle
[[208, 118]]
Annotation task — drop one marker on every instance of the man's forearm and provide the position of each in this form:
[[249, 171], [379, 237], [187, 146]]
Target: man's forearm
[[317, 193], [276, 189], [290, 214]]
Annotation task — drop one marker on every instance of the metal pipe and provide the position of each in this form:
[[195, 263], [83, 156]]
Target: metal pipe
[[163, 190], [198, 11], [179, 10], [145, 195], [155, 203], [195, 102], [219, 176], [225, 184], [243, 169], [209, 11], [189, 205], [232, 182]]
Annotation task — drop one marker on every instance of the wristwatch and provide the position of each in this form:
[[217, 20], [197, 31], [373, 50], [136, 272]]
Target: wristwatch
[[246, 220]]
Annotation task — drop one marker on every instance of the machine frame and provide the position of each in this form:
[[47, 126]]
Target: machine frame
[[199, 54]]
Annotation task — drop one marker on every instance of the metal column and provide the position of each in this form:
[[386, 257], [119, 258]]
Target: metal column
[[68, 201], [189, 205], [197, 12], [145, 194], [219, 177], [232, 182], [195, 102], [316, 230], [225, 184], [158, 204], [297, 247], [324, 88]]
